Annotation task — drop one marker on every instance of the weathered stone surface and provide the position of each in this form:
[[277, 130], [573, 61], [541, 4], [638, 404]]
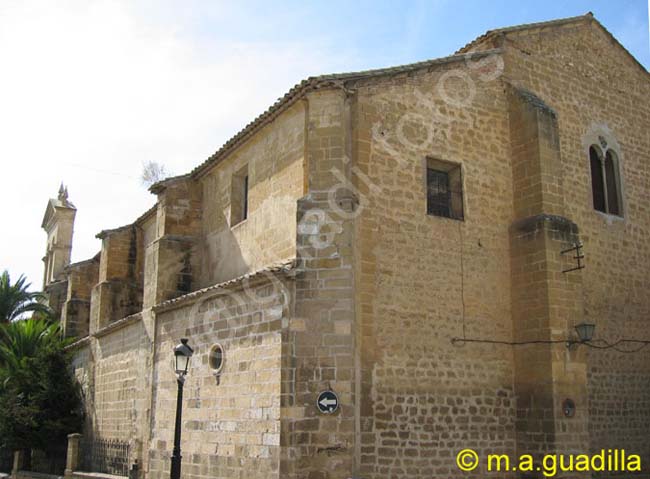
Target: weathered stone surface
[[376, 289]]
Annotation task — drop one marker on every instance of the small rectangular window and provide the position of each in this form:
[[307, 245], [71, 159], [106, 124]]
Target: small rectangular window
[[438, 193], [239, 196], [245, 199], [444, 189]]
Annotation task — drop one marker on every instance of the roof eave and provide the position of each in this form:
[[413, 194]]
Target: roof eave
[[160, 186], [525, 26], [284, 268], [586, 18], [337, 80]]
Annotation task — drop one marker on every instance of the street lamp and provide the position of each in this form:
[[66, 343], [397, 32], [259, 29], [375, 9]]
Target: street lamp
[[182, 355]]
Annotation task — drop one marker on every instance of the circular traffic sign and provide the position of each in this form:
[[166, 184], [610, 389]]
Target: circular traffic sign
[[327, 402]]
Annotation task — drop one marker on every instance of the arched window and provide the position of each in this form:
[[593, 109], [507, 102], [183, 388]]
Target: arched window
[[597, 180], [605, 183], [613, 188]]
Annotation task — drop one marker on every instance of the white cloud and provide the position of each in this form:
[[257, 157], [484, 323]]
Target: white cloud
[[89, 90]]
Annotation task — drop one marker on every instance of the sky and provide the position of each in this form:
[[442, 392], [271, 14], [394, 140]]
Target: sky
[[90, 90]]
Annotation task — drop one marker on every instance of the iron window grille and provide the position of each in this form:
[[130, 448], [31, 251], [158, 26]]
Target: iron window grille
[[439, 193], [444, 189]]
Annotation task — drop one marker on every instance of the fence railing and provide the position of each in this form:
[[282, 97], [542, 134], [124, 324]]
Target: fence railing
[[107, 456], [6, 460], [52, 463]]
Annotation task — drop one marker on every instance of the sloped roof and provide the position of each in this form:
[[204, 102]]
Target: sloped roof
[[339, 79], [52, 205], [586, 18], [159, 186], [298, 91], [103, 233], [94, 259], [283, 267], [524, 26]]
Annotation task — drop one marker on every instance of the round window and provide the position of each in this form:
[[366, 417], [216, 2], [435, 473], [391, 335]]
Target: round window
[[216, 358]]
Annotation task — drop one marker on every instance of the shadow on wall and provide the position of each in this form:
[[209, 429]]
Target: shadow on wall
[[264, 237]]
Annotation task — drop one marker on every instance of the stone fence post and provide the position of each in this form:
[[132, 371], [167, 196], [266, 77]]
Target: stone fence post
[[72, 458], [135, 448], [19, 462]]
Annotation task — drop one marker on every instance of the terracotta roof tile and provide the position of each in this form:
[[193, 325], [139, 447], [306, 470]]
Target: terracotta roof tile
[[313, 83], [278, 268]]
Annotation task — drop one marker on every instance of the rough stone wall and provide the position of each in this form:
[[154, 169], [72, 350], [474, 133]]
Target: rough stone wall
[[424, 280], [82, 365], [56, 296], [116, 257], [172, 258], [319, 349], [598, 90], [120, 368], [162, 255], [231, 423], [149, 229], [178, 211], [81, 279], [547, 302], [383, 287], [119, 290], [76, 313], [274, 157]]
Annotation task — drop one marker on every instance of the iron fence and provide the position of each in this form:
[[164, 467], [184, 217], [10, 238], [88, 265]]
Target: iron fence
[[107, 456], [6, 459], [51, 462]]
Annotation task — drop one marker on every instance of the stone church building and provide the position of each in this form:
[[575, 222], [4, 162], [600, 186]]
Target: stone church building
[[421, 240]]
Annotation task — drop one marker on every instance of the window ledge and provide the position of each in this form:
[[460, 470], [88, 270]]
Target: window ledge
[[610, 218], [448, 218], [236, 226]]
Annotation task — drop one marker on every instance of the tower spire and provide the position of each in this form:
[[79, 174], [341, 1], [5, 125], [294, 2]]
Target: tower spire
[[63, 193]]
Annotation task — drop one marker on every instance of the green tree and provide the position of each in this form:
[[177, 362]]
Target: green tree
[[40, 400], [21, 341], [16, 300]]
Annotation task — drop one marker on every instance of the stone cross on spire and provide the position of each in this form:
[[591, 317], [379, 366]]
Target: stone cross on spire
[[63, 193]]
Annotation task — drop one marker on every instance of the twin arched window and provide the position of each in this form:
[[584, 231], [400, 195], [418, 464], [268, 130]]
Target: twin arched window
[[605, 180]]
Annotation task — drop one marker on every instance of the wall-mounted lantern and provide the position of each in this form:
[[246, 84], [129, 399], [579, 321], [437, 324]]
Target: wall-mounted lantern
[[585, 332]]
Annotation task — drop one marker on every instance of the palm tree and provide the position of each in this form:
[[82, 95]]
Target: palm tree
[[40, 400], [23, 340], [15, 300]]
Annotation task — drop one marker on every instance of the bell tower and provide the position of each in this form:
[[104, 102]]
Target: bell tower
[[58, 223]]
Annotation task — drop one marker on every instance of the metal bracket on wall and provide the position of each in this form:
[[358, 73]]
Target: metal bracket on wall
[[579, 256]]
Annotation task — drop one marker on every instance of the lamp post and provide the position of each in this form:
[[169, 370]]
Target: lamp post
[[182, 355]]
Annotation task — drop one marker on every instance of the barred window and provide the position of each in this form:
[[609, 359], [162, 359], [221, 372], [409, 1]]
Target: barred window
[[444, 189], [439, 194], [605, 181]]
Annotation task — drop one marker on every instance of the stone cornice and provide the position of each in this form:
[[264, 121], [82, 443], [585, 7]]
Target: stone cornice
[[119, 324], [255, 277]]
